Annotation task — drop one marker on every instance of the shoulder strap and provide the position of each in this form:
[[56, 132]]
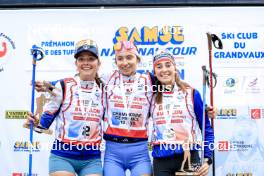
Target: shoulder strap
[[63, 88], [63, 96], [152, 78]]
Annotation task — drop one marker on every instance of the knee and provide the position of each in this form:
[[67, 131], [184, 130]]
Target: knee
[[61, 173]]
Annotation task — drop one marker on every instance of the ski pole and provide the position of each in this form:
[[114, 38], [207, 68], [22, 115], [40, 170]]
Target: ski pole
[[212, 38], [204, 106], [37, 54]]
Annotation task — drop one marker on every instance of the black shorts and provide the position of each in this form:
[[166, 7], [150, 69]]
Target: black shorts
[[169, 165]]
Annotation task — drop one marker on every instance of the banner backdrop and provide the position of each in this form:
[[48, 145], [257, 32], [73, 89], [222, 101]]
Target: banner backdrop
[[239, 66]]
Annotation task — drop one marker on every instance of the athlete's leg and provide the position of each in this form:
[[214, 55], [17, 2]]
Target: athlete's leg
[[91, 167], [139, 160], [142, 169], [113, 168], [114, 164], [61, 173], [59, 166]]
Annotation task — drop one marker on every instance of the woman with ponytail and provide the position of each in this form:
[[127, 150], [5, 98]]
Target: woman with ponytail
[[177, 111], [78, 111]]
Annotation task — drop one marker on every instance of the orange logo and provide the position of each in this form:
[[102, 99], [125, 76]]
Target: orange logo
[[223, 146], [3, 49]]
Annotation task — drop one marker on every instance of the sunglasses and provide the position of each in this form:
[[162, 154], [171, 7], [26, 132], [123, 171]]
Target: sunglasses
[[86, 42], [127, 45]]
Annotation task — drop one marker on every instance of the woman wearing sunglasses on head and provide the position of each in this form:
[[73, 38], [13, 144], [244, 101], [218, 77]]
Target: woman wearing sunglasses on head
[[127, 100], [78, 110], [177, 112]]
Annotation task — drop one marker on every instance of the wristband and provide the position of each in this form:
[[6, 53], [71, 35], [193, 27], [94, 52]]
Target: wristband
[[209, 161]]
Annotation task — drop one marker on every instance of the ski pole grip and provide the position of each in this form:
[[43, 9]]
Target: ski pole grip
[[37, 53], [204, 74], [209, 39]]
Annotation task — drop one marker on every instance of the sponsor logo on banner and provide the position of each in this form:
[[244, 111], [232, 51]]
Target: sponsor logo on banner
[[151, 36], [23, 174], [17, 174], [253, 84], [25, 146], [58, 48], [238, 51], [7, 45], [230, 85], [16, 114], [223, 146], [241, 146], [227, 113], [256, 113], [151, 39], [230, 82]]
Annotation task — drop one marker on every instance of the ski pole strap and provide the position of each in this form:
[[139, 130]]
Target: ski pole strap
[[207, 78], [37, 53]]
